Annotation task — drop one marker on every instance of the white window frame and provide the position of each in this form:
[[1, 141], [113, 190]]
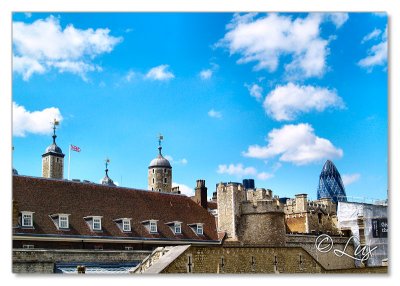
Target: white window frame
[[126, 222], [63, 218], [199, 229], [178, 225], [98, 219], [26, 215], [153, 226]]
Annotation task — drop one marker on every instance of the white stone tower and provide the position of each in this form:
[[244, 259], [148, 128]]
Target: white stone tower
[[53, 159], [160, 172]]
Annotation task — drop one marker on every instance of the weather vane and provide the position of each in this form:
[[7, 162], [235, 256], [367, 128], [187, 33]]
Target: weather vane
[[160, 138], [55, 123]]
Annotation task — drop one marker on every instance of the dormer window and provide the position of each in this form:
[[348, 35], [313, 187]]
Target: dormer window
[[197, 228], [27, 219], [151, 225], [124, 224], [94, 222], [61, 221], [176, 226]]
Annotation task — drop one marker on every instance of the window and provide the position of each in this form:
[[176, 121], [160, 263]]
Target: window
[[165, 180], [27, 219], [177, 228], [96, 223], [63, 221], [153, 226], [165, 170], [159, 190], [28, 246], [199, 229], [153, 180], [128, 248], [153, 173], [126, 225], [189, 265]]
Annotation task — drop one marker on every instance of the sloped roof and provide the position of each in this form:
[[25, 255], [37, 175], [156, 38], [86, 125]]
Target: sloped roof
[[45, 197]]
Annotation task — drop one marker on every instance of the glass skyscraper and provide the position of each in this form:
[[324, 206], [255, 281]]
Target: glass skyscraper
[[330, 184]]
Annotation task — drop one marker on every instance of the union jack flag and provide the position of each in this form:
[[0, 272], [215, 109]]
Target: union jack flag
[[75, 148]]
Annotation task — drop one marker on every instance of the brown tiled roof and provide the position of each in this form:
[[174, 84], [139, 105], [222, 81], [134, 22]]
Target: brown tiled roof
[[46, 197], [212, 205]]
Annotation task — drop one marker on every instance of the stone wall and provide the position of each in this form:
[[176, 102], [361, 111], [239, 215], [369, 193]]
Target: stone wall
[[229, 199], [263, 228], [53, 167], [232, 260], [328, 260], [245, 260], [43, 261], [158, 176]]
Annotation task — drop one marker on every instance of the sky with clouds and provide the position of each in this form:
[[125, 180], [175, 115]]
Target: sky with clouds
[[263, 96]]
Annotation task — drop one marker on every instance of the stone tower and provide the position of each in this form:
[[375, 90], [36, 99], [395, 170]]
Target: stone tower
[[250, 217], [160, 173], [53, 159]]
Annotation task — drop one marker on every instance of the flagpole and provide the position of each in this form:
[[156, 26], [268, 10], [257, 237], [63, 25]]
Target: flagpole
[[69, 158]]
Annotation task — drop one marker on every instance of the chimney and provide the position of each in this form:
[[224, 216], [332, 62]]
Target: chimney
[[200, 195]]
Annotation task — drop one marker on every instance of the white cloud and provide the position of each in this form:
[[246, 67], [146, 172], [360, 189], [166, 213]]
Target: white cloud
[[35, 122], [182, 161], [160, 73], [350, 178], [297, 144], [27, 67], [374, 34], [215, 114], [240, 171], [338, 18], [129, 76], [43, 44], [264, 176], [206, 74], [265, 40], [255, 90], [185, 190], [377, 54], [288, 101]]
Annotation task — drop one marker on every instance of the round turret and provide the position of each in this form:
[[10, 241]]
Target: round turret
[[160, 173]]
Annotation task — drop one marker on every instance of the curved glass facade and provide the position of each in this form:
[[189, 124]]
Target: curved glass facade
[[330, 184]]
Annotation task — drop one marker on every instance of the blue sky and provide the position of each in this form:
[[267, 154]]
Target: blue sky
[[263, 96]]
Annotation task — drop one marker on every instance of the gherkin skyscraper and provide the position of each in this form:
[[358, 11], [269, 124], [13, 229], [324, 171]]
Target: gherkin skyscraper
[[330, 184]]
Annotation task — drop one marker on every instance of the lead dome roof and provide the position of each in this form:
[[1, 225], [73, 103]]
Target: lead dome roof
[[160, 161]]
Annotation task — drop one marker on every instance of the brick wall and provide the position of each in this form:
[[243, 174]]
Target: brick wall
[[42, 261]]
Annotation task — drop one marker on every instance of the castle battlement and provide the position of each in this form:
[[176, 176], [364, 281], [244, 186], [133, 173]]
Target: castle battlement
[[261, 206]]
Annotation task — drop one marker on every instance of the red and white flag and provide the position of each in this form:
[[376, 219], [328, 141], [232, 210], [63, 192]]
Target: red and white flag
[[75, 148]]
